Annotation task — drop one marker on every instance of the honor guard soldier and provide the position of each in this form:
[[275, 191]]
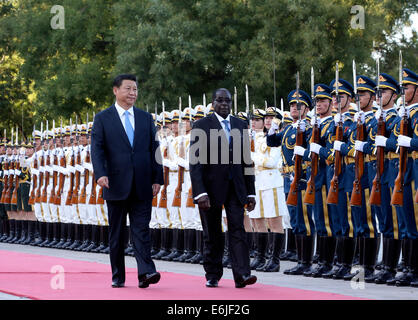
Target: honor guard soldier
[[268, 182], [4, 223], [325, 215], [339, 175], [300, 215], [403, 177]]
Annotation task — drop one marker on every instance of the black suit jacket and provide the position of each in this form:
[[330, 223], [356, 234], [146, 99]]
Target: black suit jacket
[[113, 156], [212, 178]]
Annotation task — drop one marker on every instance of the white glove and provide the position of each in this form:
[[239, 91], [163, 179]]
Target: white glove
[[337, 145], [273, 128], [318, 121], [360, 115], [380, 141], [315, 147], [301, 124], [379, 113], [403, 111], [359, 145], [300, 151], [338, 118], [404, 141]]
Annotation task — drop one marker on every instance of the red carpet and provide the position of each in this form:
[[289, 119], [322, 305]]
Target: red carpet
[[29, 275]]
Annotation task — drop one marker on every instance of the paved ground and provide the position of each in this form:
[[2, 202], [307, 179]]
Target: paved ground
[[362, 290]]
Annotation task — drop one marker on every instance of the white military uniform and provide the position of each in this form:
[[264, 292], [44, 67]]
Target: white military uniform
[[267, 180]]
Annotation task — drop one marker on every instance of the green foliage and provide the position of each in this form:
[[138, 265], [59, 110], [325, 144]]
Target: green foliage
[[177, 48]]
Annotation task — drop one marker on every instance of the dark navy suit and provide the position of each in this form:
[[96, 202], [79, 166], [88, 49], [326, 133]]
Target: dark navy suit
[[132, 170]]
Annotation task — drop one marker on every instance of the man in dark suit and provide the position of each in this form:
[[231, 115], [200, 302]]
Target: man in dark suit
[[124, 152], [222, 174]]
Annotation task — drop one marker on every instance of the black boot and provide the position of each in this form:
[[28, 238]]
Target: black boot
[[106, 249], [77, 237], [198, 257], [260, 258], [299, 239], [391, 252], [264, 260], [175, 250], [360, 245], [370, 257], [30, 233], [41, 233], [24, 232], [339, 245], [326, 257], [347, 255], [318, 247], [356, 257], [380, 264], [166, 240], [12, 230], [94, 239], [401, 266], [410, 261], [63, 235], [290, 253], [101, 244], [55, 234], [156, 240], [70, 236], [86, 237], [48, 238], [18, 231], [193, 246], [306, 258], [273, 265], [187, 245], [5, 230]]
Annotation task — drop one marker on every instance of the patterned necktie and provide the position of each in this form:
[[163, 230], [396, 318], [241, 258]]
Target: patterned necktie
[[227, 130], [128, 128]]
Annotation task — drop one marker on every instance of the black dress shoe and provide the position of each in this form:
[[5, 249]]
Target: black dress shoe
[[245, 281], [212, 283], [149, 278], [118, 284]]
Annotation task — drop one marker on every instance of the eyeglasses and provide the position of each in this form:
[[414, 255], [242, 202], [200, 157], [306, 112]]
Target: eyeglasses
[[221, 100]]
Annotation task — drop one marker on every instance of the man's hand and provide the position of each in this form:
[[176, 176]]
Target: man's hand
[[103, 182], [203, 203], [250, 204], [155, 189]]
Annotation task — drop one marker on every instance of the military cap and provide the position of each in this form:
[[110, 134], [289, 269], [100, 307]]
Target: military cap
[[343, 87], [258, 114], [48, 134], [409, 76], [200, 111], [303, 97], [242, 115], [90, 126], [166, 116], [287, 118], [36, 134], [388, 82], [82, 129], [67, 131], [175, 115], [322, 91], [365, 84], [188, 114]]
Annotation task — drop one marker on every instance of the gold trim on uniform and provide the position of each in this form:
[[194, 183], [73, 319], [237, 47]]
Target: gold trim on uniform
[[369, 213], [305, 215], [261, 204], [325, 207]]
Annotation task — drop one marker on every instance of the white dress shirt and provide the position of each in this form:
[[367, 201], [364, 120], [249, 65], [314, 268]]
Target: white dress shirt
[[121, 112]]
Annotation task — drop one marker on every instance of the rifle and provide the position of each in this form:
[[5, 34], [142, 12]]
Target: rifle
[[55, 164], [397, 194], [68, 201], [292, 198], [247, 110], [76, 189], [44, 197], [86, 171], [177, 193], [333, 190], [375, 195], [41, 174], [17, 167], [163, 197], [155, 198], [309, 197], [359, 158]]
